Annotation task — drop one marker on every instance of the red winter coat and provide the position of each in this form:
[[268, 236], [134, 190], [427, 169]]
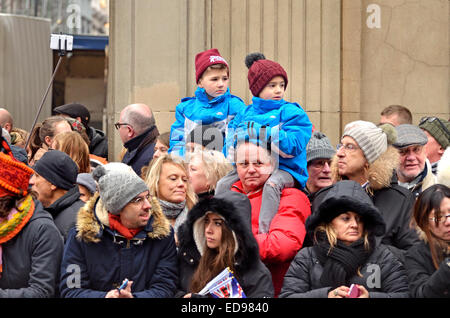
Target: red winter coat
[[287, 231]]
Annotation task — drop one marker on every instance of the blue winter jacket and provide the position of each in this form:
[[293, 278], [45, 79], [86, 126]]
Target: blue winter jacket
[[199, 110], [289, 133], [97, 259]]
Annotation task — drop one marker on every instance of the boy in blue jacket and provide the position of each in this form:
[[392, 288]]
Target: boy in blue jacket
[[212, 105], [284, 125]]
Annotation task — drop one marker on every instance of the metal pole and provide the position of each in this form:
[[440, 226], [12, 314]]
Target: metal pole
[[43, 100]]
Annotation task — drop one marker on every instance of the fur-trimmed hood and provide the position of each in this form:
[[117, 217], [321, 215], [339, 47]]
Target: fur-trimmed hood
[[235, 209], [93, 218], [443, 169], [346, 196], [380, 172]]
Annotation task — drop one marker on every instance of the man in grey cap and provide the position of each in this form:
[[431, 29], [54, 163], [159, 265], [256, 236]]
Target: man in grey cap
[[319, 152], [122, 239], [414, 171]]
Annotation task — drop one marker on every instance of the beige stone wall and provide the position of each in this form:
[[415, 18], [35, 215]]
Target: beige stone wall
[[153, 45], [340, 69], [405, 61]]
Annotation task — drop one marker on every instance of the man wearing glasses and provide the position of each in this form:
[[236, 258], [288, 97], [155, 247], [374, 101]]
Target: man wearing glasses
[[319, 152], [122, 245], [138, 132], [414, 171], [437, 131]]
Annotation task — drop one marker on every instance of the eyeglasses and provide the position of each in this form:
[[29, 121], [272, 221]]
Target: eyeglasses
[[140, 200], [320, 163], [432, 119], [441, 219], [117, 125], [347, 147]]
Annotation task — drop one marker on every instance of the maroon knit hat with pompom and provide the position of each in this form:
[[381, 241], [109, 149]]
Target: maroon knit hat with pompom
[[261, 71]]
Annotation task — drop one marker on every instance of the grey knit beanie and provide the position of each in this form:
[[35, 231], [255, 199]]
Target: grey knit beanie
[[372, 140], [319, 147], [118, 184]]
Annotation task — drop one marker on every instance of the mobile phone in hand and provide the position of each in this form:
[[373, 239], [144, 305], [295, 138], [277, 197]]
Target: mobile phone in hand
[[354, 291]]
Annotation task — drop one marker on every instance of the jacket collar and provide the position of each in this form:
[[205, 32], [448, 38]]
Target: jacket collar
[[238, 186], [69, 198], [201, 95], [264, 105], [134, 143], [93, 221]]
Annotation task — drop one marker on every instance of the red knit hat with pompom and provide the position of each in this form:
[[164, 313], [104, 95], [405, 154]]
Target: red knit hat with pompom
[[261, 71]]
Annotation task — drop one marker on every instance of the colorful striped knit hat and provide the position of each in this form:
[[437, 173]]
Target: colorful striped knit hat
[[14, 176]]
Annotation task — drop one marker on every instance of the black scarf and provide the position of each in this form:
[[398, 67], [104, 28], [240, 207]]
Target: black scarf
[[343, 261]]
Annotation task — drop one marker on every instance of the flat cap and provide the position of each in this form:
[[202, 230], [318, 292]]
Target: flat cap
[[408, 135]]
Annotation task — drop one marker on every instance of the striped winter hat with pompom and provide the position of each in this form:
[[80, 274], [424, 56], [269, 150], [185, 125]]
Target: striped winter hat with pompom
[[372, 140]]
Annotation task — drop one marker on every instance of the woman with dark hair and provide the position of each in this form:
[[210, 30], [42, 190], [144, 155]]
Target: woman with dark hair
[[345, 251], [428, 263], [217, 234], [42, 136]]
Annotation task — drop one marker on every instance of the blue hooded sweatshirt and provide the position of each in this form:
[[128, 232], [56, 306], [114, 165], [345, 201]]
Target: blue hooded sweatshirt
[[199, 110], [289, 133]]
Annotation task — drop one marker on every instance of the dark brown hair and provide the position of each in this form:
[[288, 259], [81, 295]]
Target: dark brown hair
[[430, 200], [42, 130], [213, 261]]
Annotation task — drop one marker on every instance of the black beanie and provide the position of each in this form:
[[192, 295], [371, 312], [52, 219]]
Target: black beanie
[[75, 110], [57, 168]]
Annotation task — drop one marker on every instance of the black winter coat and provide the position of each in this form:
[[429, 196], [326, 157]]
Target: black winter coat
[[383, 276], [104, 258], [253, 276], [64, 210], [32, 258], [395, 204], [140, 150], [424, 280], [98, 142]]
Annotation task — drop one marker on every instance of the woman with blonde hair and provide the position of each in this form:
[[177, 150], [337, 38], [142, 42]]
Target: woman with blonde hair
[[167, 180], [206, 167], [74, 145]]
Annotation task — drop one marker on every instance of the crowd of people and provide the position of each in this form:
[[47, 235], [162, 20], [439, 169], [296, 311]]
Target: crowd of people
[[254, 189]]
